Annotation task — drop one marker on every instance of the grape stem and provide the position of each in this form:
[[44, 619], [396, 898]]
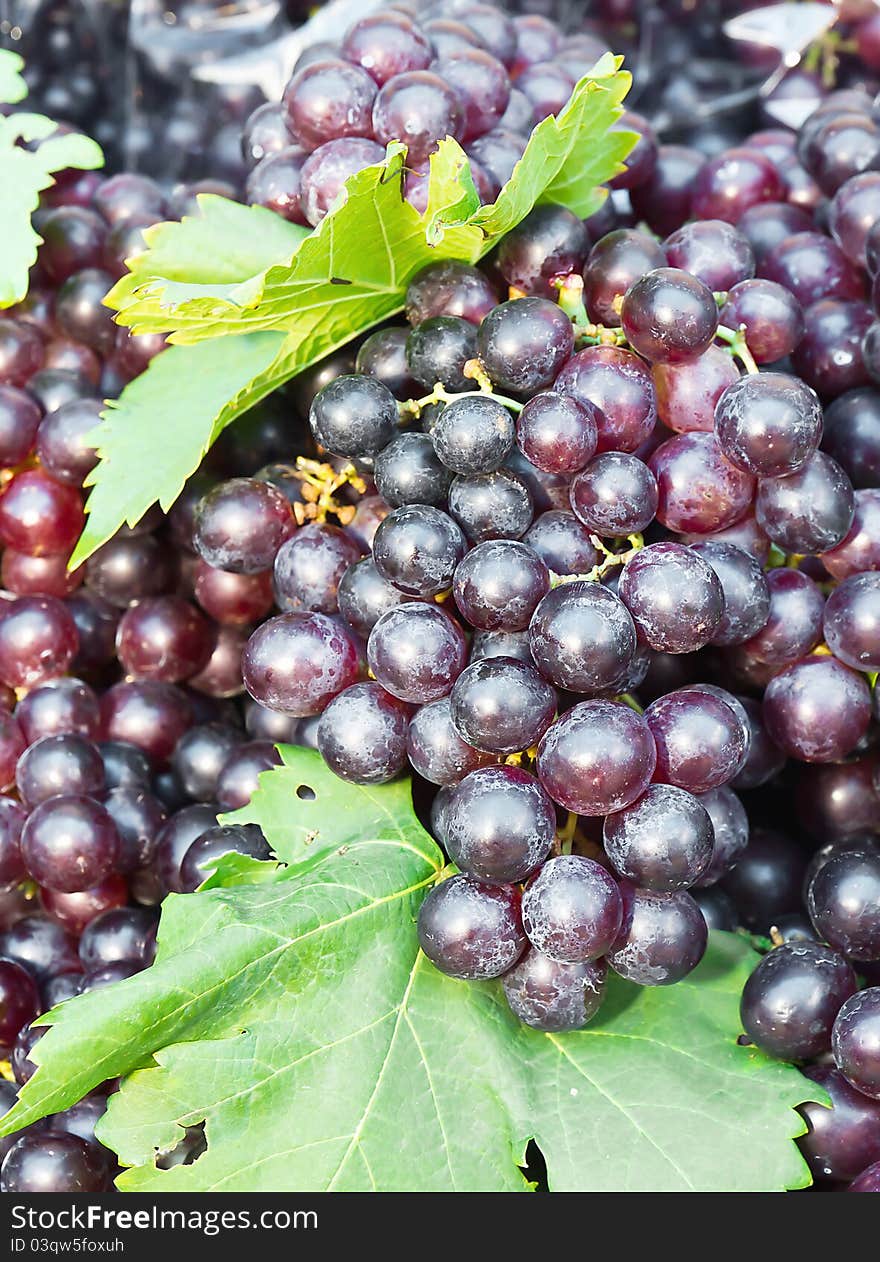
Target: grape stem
[[319, 485], [609, 561], [413, 407], [736, 340], [564, 839]]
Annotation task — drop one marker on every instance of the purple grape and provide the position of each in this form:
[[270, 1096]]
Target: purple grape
[[439, 349], [768, 314], [620, 386], [851, 622], [327, 100], [362, 734], [40, 1162], [699, 740], [240, 525], [480, 82], [664, 200], [729, 184], [498, 585], [473, 434], [674, 597], [817, 709], [663, 937], [419, 108], [730, 826], [790, 1001], [852, 435], [276, 182], [471, 930], [69, 843], [325, 172], [582, 638], [499, 824], [687, 393], [842, 1140], [810, 511], [524, 344], [746, 593], [501, 705], [842, 899], [615, 262], [491, 505], [298, 662], [596, 758], [416, 652], [794, 623], [713, 251], [615, 495], [562, 543], [449, 288], [699, 490], [386, 44], [829, 355], [856, 1041], [66, 763], [663, 841], [669, 316], [813, 267], [557, 434], [860, 548], [549, 242], [552, 996], [435, 748]]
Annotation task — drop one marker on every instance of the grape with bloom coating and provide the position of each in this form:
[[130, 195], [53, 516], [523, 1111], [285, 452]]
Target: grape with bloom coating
[[663, 841], [499, 824], [572, 909], [616, 494], [498, 585], [471, 930], [617, 383], [597, 757], [699, 489], [843, 899], [851, 622], [435, 748], [362, 734], [699, 739], [768, 424], [502, 705], [855, 1041], [817, 709], [841, 1140], [523, 344], [792, 998], [662, 938], [297, 662], [553, 996], [582, 637], [669, 316], [417, 549], [416, 652], [556, 433], [675, 597]]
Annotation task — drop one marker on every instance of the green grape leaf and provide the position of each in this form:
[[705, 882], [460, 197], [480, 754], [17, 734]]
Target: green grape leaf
[[297, 1019], [155, 434], [12, 85], [24, 174]]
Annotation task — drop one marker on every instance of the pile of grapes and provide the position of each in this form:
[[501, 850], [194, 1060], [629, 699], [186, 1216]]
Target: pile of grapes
[[590, 546]]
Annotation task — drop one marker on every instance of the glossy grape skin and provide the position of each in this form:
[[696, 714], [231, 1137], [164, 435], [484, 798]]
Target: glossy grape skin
[[717, 909], [80, 312], [329, 99], [19, 422], [138, 815], [38, 641], [851, 622], [556, 433], [768, 314], [498, 585], [615, 495], [829, 356], [199, 755], [19, 1001], [237, 780], [664, 200], [687, 393], [852, 435], [276, 182], [768, 224], [383, 355], [713, 251], [813, 267], [730, 826], [700, 744], [499, 824], [436, 750], [572, 909], [501, 705], [420, 108], [38, 576], [385, 44], [21, 353], [620, 386], [471, 930], [843, 146], [163, 638], [523, 344], [39, 515], [553, 996], [69, 843], [856, 1041], [817, 709], [362, 734], [480, 82], [766, 880], [843, 900], [180, 831], [491, 505], [790, 1001], [674, 597], [438, 349], [326, 171], [297, 662], [54, 1163], [449, 288], [62, 440], [416, 652], [308, 568], [810, 511], [615, 262], [12, 817], [354, 416], [364, 595], [859, 551], [868, 1180], [662, 842], [408, 471], [746, 593], [123, 933], [794, 623], [549, 242], [662, 938], [854, 210], [582, 637], [149, 714], [40, 946], [65, 763], [265, 132], [669, 316], [596, 758], [129, 568], [240, 525], [417, 549], [699, 490], [838, 800], [494, 155], [843, 1139], [726, 186], [768, 424], [232, 599], [473, 435], [562, 543]]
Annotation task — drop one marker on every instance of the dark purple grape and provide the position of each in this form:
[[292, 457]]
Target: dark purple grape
[[364, 595], [265, 133], [438, 349], [501, 705], [385, 44], [746, 593], [309, 566], [297, 662], [852, 435], [868, 1180], [817, 709], [19, 422], [201, 858], [383, 356], [856, 1041], [128, 568], [768, 314], [232, 599], [663, 841], [419, 108], [572, 909], [562, 543], [73, 238], [700, 743], [851, 622], [59, 706], [557, 434], [66, 763], [616, 494], [148, 714], [199, 755], [699, 490], [498, 585], [674, 597], [768, 424], [829, 355], [717, 909], [482, 87], [810, 511], [596, 758], [547, 86], [549, 242], [491, 505], [325, 172], [54, 1163], [182, 828], [449, 288], [12, 817], [81, 313], [669, 316], [240, 525], [838, 800], [499, 824], [471, 930], [329, 99], [362, 734], [523, 344], [69, 843], [790, 1001], [620, 386], [553, 996], [138, 816], [38, 641], [662, 938], [730, 826], [19, 1001], [794, 623], [163, 638], [408, 471], [473, 434], [582, 638], [664, 200], [842, 1140], [843, 900], [842, 147], [615, 262], [416, 652], [125, 933], [39, 515], [21, 353], [766, 880], [238, 777], [854, 210], [813, 267], [495, 155], [727, 185], [435, 748], [768, 224], [713, 251], [417, 549], [41, 946], [276, 182]]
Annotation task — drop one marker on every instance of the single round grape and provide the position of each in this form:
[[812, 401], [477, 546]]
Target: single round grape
[[842, 1139], [810, 511], [38, 576], [717, 909], [265, 133], [551, 241], [856, 1041], [859, 550], [180, 831], [501, 705], [563, 544], [547, 86], [325, 173], [674, 597], [641, 161], [240, 525], [123, 933], [19, 1001], [128, 568], [420, 108], [768, 314], [582, 637], [730, 827], [439, 349], [385, 44], [416, 652], [498, 585], [523, 344], [80, 311], [276, 182], [449, 288], [41, 946], [844, 145], [669, 316], [615, 495], [138, 816], [69, 843], [768, 224], [768, 424], [471, 930], [436, 750], [297, 662], [698, 488], [700, 743], [38, 641], [556, 433], [495, 154], [499, 824], [383, 355], [572, 909], [663, 841], [766, 880], [790, 1001], [713, 251], [40, 1162], [553, 996], [149, 714], [794, 623], [163, 638], [238, 777], [329, 99], [309, 567], [619, 385], [813, 267], [408, 471], [362, 734], [364, 595], [745, 588], [852, 435], [39, 515], [199, 755], [727, 185], [417, 549], [851, 622], [491, 505], [232, 599], [354, 416], [662, 937], [843, 900], [829, 356], [663, 202], [65, 763], [480, 82], [837, 800], [817, 709], [596, 758], [19, 423], [688, 393], [473, 435], [615, 262], [62, 440]]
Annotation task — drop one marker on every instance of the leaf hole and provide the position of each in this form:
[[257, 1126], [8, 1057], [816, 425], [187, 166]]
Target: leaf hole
[[191, 1145], [305, 793]]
